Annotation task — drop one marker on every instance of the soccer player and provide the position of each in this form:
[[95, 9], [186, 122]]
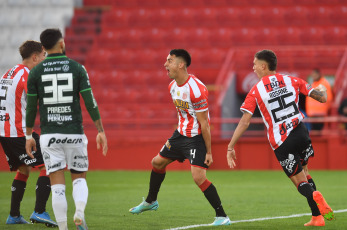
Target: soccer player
[[56, 84], [191, 140], [276, 96], [13, 94]]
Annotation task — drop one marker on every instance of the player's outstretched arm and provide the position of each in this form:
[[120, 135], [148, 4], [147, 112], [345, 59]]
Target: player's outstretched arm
[[101, 137], [319, 94], [240, 129], [206, 134]]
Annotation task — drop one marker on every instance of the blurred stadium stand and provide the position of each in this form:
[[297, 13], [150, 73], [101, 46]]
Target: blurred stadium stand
[[124, 44]]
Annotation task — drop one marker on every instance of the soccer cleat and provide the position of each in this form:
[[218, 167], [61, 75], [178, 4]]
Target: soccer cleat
[[43, 218], [221, 220], [144, 206], [323, 207], [80, 222], [316, 221], [16, 220]]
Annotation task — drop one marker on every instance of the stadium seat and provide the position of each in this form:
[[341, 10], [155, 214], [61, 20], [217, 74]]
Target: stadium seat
[[229, 16], [206, 17], [221, 37], [336, 35]]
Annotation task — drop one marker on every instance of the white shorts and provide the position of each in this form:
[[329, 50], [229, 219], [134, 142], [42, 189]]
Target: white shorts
[[59, 150]]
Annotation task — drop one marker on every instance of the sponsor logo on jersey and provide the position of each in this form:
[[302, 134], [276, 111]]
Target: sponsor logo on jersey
[[200, 104], [54, 166], [50, 69], [289, 163], [178, 93], [60, 109], [274, 85], [66, 68], [278, 92], [181, 104], [58, 117], [80, 165], [22, 156], [184, 96], [81, 157], [63, 141], [28, 162], [308, 152], [168, 145], [6, 81], [5, 117], [65, 62], [284, 127], [308, 86]]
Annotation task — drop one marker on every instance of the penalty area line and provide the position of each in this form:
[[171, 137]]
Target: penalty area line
[[254, 220]]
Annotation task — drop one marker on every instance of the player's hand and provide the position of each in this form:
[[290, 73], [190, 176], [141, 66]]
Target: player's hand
[[101, 139], [208, 159], [30, 145], [321, 88], [231, 158]]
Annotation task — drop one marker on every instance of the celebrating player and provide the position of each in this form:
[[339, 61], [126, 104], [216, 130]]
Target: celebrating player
[[56, 84], [13, 93], [191, 140], [277, 98]]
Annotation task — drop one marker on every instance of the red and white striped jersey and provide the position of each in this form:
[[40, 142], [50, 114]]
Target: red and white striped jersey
[[189, 99], [13, 88], [277, 97]]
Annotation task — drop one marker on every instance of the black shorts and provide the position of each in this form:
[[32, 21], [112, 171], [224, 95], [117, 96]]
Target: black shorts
[[14, 148], [179, 147], [295, 151]]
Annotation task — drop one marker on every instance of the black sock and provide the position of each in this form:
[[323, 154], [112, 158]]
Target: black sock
[[18, 189], [307, 190], [154, 184], [213, 197], [312, 183], [43, 190]]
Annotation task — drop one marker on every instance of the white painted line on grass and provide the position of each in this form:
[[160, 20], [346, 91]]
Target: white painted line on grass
[[254, 220]]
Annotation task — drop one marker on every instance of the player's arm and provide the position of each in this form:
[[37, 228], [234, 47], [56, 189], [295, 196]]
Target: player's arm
[[240, 129], [206, 134], [319, 94], [94, 113], [31, 111]]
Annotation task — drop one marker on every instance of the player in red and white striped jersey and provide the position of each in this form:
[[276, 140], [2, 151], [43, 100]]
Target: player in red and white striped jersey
[[13, 89], [191, 140], [277, 98], [189, 99]]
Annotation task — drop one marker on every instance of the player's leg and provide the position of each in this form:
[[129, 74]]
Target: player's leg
[[211, 194], [43, 190], [309, 178], [18, 189], [157, 177], [80, 196], [59, 202]]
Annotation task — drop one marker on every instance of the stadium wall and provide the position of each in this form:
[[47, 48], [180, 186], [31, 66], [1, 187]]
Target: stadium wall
[[253, 153]]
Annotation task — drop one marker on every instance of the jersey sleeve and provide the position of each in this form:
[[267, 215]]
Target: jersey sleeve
[[84, 83], [31, 87], [200, 104], [304, 87], [250, 102]]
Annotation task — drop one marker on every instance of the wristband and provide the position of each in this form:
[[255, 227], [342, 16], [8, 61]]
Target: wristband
[[230, 149], [28, 137]]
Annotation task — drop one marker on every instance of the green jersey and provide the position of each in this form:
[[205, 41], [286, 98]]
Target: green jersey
[[57, 83]]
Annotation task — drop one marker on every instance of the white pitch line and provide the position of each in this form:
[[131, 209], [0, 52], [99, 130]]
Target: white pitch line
[[254, 220]]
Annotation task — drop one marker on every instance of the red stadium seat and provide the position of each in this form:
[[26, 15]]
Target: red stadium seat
[[221, 37], [297, 15], [229, 16], [116, 18], [206, 17], [336, 35], [289, 36], [313, 36]]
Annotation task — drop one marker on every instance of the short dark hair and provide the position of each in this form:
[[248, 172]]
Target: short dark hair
[[317, 71], [269, 57], [182, 54], [50, 37], [30, 47]]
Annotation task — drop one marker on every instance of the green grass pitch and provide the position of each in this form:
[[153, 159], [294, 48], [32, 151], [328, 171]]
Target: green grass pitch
[[244, 194]]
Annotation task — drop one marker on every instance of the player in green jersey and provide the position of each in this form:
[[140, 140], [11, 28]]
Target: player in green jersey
[[56, 84]]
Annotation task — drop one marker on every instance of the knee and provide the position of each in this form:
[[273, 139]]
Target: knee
[[156, 163], [198, 178], [25, 170]]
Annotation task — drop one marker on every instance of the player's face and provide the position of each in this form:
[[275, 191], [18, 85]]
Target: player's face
[[171, 66], [315, 76], [259, 67]]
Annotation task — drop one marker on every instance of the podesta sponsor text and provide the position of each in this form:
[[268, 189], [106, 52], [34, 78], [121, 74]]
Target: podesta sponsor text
[[63, 141]]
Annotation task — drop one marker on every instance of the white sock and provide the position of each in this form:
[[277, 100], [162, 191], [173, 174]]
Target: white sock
[[59, 204], [80, 195]]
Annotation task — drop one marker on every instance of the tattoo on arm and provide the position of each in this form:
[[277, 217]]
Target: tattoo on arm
[[98, 125], [318, 95]]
